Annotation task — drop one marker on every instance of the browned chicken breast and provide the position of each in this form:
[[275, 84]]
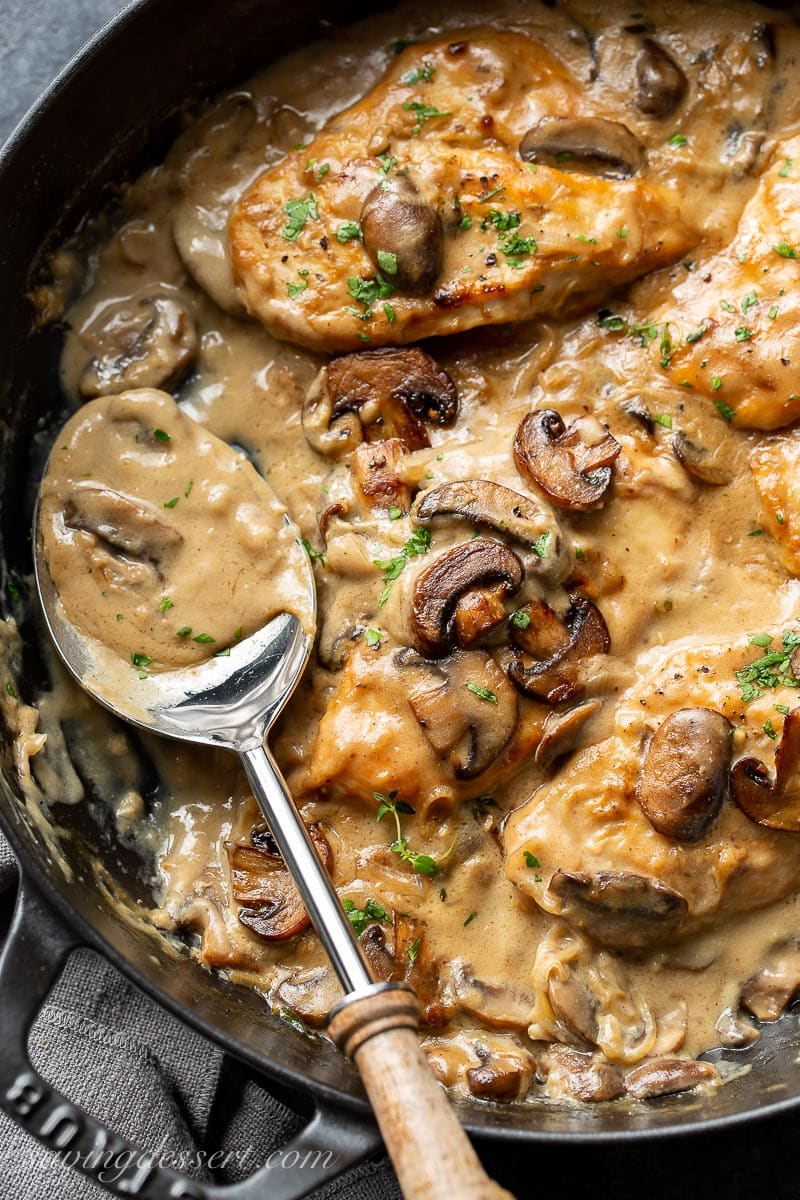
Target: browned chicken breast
[[473, 185]]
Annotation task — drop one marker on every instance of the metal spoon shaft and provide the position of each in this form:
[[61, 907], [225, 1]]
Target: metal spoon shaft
[[323, 905]]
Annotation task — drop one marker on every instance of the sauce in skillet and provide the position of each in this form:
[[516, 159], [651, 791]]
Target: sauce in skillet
[[596, 931]]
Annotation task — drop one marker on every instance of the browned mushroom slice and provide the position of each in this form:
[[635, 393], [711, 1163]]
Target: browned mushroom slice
[[563, 732], [661, 82], [262, 885], [700, 463], [585, 145], [684, 774], [500, 1006], [467, 710], [403, 235], [624, 911], [581, 1076], [377, 394], [772, 802], [149, 342], [498, 1081], [527, 521], [561, 676], [574, 1004], [408, 961], [665, 1076], [438, 589], [571, 473], [477, 613], [377, 476], [733, 1030], [309, 995], [128, 524], [769, 992]]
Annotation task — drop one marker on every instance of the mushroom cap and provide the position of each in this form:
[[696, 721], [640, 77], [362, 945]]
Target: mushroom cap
[[561, 675], [585, 145], [262, 884], [396, 222], [620, 909], [773, 803], [662, 84], [684, 773], [437, 590], [555, 459]]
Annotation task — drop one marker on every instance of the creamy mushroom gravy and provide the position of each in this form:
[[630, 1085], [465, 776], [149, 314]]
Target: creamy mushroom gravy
[[588, 654]]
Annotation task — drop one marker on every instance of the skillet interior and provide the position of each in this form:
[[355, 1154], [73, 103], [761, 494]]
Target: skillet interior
[[154, 59]]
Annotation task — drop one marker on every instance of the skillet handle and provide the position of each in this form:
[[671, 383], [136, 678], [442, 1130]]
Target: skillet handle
[[429, 1149], [34, 955]]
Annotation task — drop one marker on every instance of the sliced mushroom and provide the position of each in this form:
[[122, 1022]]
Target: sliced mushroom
[[408, 961], [734, 1030], [149, 342], [661, 82], [574, 1005], [562, 675], [477, 613], [262, 885], [403, 235], [500, 1006], [563, 732], [309, 995], [769, 992], [622, 910], [684, 774], [581, 1076], [376, 469], [467, 710], [133, 526], [571, 473], [585, 145], [532, 523], [665, 1076], [373, 395], [772, 802], [498, 1081], [700, 463], [438, 589]]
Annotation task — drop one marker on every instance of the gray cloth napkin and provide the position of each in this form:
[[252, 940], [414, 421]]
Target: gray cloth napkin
[[138, 1069]]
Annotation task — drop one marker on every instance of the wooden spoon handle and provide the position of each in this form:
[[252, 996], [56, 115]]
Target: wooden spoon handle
[[430, 1151]]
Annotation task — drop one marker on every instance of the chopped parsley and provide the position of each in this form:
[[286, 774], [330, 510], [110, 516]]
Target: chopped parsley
[[166, 604], [419, 543], [171, 503], [360, 918], [727, 306], [470, 918], [663, 419], [541, 546], [769, 730], [743, 334], [373, 637], [140, 660], [161, 435], [314, 555], [771, 670], [465, 222], [531, 860], [189, 487], [678, 140], [520, 619], [389, 313], [297, 213], [349, 231], [388, 163], [786, 168], [773, 312], [516, 248], [185, 632], [13, 591], [725, 411], [623, 233], [785, 250], [716, 382], [750, 300], [387, 262], [10, 691], [423, 113], [413, 950], [366, 291], [395, 513], [203, 639], [481, 692], [293, 290], [423, 74], [503, 220], [695, 335]]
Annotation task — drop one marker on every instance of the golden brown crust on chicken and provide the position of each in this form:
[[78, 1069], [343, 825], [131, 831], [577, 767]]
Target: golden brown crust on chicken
[[501, 239]]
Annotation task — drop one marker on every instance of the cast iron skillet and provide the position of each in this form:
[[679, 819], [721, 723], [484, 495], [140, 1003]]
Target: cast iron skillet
[[111, 111]]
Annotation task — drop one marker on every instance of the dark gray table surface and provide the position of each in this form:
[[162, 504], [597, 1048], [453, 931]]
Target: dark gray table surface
[[36, 38]]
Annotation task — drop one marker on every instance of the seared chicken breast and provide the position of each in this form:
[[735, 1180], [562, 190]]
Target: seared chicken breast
[[473, 185]]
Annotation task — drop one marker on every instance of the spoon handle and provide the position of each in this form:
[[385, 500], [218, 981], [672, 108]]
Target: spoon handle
[[375, 1023]]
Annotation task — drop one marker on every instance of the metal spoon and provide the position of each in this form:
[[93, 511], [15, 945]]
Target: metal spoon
[[233, 702]]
